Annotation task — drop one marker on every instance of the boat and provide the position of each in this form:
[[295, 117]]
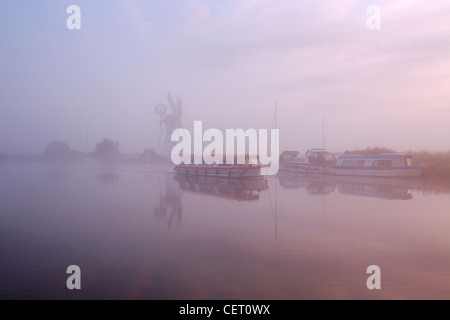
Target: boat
[[286, 157], [251, 168], [381, 165], [314, 161]]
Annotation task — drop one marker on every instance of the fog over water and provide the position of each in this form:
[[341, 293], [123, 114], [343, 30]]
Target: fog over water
[[229, 63], [137, 232]]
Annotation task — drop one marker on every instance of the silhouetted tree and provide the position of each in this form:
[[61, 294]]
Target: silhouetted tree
[[107, 149], [58, 150]]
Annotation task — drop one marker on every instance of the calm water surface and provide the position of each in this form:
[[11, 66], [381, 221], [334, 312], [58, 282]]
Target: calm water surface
[[140, 232]]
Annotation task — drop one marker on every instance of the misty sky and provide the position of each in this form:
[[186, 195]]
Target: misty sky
[[229, 61]]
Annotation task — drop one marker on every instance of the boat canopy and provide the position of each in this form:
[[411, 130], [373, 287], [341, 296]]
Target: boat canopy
[[320, 157]]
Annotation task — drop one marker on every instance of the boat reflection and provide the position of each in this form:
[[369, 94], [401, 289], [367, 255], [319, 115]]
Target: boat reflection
[[315, 184], [378, 189], [172, 187], [243, 189], [386, 188]]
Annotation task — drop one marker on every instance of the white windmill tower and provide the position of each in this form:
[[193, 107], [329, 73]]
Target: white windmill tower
[[168, 123]]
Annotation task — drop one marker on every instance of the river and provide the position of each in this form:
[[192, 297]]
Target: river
[[140, 232]]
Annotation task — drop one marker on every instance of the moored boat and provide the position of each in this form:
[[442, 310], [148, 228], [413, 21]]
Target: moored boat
[[251, 168], [314, 161], [286, 157], [381, 165]]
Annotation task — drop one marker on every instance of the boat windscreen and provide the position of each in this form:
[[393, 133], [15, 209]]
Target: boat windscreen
[[329, 157]]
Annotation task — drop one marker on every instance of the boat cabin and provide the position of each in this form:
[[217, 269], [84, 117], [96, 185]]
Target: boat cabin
[[320, 157], [288, 156], [378, 161]]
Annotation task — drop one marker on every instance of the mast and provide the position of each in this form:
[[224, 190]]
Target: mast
[[275, 120], [274, 126], [86, 141], [323, 132]]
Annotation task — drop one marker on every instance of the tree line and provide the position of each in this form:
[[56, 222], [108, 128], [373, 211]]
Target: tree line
[[104, 150]]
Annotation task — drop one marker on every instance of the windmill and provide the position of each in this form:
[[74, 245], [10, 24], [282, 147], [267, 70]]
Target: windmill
[[168, 123], [177, 108]]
